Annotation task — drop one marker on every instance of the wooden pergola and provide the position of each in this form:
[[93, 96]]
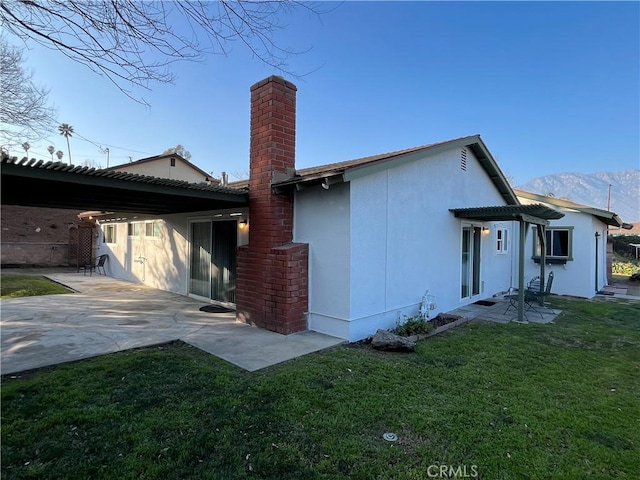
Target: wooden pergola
[[536, 214]]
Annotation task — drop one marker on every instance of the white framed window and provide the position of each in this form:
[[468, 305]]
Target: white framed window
[[133, 229], [109, 232], [502, 240], [559, 244], [152, 229]]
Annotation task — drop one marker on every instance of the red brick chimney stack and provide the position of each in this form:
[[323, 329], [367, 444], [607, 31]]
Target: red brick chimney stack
[[272, 154], [272, 272]]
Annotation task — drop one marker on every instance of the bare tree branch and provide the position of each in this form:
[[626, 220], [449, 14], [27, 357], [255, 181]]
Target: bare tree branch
[[24, 109], [133, 43]]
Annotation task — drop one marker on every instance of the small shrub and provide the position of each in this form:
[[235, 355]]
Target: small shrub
[[624, 268], [415, 325]]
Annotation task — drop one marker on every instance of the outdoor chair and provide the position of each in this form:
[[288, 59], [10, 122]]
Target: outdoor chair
[[99, 264], [538, 296], [532, 294]]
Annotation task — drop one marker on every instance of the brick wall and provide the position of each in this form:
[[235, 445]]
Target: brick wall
[[272, 272], [34, 236]]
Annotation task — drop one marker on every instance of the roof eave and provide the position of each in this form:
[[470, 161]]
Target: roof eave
[[490, 166], [346, 174], [607, 217], [324, 179], [611, 220]]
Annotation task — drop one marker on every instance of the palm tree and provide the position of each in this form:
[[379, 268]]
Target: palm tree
[[26, 147], [66, 130], [51, 149], [59, 154]]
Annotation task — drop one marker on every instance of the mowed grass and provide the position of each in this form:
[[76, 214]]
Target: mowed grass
[[493, 401], [17, 285]]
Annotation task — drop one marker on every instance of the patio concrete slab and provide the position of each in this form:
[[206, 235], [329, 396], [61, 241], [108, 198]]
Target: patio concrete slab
[[106, 315], [501, 311]]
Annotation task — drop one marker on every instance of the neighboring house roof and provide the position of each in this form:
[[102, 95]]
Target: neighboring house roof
[[634, 230], [162, 157], [349, 170], [59, 185], [609, 218]]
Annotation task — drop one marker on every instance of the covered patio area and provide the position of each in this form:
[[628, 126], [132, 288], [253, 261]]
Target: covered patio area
[[525, 215], [499, 309]]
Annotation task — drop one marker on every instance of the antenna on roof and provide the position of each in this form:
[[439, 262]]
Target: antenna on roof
[[106, 150]]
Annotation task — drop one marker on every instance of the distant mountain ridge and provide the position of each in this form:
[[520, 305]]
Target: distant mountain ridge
[[593, 190]]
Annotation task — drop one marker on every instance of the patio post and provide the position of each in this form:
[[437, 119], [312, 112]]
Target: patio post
[[523, 238], [542, 240]]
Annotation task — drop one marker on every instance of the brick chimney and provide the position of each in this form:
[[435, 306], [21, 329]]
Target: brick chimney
[[272, 272]]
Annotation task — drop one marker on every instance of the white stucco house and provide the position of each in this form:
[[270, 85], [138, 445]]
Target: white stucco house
[[576, 249], [382, 235], [343, 249]]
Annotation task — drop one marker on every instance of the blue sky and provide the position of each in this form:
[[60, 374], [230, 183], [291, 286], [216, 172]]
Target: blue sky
[[551, 87]]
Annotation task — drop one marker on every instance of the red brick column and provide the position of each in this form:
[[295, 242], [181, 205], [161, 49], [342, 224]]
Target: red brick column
[[272, 272]]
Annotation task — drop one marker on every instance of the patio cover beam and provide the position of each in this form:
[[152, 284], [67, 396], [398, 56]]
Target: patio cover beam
[[58, 185]]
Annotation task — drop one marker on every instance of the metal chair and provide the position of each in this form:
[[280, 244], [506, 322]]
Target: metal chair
[[96, 266], [532, 295], [539, 296], [513, 296]]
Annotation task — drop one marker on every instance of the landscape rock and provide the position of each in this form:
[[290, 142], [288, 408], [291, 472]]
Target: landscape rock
[[385, 340]]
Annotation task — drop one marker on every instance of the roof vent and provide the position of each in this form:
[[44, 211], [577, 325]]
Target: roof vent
[[463, 160]]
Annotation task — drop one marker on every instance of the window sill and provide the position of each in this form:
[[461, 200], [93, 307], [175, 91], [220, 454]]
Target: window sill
[[553, 260]]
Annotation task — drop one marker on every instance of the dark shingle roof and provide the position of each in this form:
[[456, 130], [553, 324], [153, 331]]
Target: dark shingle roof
[[340, 167], [346, 171]]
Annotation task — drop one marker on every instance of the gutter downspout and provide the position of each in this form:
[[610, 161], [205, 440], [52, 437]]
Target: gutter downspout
[[597, 237]]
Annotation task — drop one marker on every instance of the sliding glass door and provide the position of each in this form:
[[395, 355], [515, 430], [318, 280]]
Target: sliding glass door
[[471, 242], [223, 264], [213, 260], [200, 265]]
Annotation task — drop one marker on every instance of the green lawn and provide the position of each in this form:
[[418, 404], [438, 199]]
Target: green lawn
[[18, 285], [493, 401]]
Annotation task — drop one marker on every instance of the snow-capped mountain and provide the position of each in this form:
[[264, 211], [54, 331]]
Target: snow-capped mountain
[[593, 190]]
